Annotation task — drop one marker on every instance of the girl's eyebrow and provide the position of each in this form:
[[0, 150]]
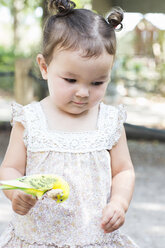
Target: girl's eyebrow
[[103, 77], [70, 74]]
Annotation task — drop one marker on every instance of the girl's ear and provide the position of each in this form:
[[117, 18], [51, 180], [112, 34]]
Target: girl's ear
[[42, 65]]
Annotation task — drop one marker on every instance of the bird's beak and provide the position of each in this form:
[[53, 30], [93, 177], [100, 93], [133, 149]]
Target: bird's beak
[[53, 193]]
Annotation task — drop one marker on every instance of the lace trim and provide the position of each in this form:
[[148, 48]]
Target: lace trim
[[38, 138]]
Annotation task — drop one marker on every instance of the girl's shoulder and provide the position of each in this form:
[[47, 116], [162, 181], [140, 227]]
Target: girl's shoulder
[[111, 108], [111, 122], [17, 114], [19, 109], [22, 114], [110, 114]]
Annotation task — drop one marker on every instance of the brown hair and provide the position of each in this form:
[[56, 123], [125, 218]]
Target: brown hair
[[79, 29]]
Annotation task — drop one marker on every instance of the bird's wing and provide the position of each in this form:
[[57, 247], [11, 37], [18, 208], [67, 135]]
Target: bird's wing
[[41, 182]]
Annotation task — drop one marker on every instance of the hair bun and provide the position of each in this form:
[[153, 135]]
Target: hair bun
[[115, 18], [62, 7]]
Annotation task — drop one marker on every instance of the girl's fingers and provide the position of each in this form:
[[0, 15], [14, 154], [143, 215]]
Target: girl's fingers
[[107, 216], [22, 203], [113, 217], [20, 209], [112, 228], [119, 222], [112, 221], [28, 200]]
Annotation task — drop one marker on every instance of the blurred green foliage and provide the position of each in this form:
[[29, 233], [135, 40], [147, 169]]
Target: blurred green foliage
[[82, 3], [7, 83], [142, 73], [7, 58]]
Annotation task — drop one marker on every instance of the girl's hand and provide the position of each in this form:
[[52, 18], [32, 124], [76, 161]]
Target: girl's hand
[[113, 217], [22, 202]]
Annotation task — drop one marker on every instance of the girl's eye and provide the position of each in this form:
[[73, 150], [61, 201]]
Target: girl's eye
[[97, 83], [70, 80]]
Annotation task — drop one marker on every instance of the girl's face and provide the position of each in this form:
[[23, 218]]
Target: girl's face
[[76, 84]]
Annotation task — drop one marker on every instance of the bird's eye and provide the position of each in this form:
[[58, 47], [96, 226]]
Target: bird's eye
[[61, 200]]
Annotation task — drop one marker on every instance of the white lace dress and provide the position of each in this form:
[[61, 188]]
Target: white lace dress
[[83, 160]]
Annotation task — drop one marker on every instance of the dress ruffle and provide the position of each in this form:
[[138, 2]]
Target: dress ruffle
[[10, 240], [18, 115], [122, 115]]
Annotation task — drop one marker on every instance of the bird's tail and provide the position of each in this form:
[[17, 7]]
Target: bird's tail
[[6, 187], [33, 192]]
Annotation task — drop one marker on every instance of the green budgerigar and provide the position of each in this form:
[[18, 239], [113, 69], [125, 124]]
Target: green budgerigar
[[37, 185]]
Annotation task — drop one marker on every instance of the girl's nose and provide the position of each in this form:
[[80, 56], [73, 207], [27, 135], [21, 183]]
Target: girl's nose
[[82, 92]]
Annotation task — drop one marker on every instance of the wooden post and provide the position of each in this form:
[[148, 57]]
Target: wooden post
[[23, 85]]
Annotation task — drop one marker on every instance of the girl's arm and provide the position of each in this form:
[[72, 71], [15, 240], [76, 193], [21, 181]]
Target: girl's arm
[[13, 166], [123, 175], [123, 179], [14, 163]]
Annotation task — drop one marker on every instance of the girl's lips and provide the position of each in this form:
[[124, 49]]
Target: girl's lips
[[80, 103]]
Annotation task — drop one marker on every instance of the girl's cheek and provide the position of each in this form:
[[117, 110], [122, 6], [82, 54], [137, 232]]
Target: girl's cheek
[[100, 93]]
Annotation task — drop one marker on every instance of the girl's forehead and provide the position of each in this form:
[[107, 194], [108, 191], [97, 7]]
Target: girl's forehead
[[80, 54], [74, 59]]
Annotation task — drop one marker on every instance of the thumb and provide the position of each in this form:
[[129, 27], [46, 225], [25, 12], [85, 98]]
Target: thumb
[[34, 197]]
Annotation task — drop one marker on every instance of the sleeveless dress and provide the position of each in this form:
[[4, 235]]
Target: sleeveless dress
[[83, 160]]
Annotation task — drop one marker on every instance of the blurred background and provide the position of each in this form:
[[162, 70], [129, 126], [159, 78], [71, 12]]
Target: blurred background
[[138, 81]]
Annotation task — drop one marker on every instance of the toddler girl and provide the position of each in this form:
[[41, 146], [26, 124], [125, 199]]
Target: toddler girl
[[73, 134]]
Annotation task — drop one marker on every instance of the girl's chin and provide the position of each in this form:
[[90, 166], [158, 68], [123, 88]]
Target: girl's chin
[[74, 109]]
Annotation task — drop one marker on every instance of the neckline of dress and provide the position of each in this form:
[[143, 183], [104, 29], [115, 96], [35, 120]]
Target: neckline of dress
[[55, 131]]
